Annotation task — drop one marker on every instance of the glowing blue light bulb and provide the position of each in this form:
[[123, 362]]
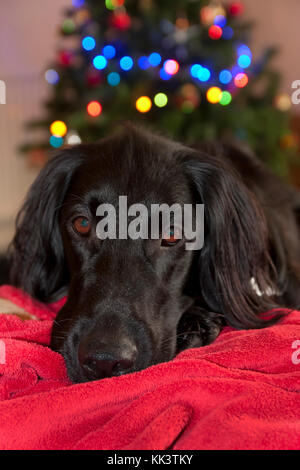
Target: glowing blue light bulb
[[204, 74], [154, 59], [143, 62], [52, 76], [100, 62], [244, 61], [56, 141], [225, 76], [220, 20], [227, 32], [88, 43], [109, 51], [195, 69], [126, 63], [113, 79]]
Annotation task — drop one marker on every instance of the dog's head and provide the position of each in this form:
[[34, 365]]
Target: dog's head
[[130, 298]]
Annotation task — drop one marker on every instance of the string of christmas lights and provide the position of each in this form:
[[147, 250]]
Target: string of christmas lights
[[218, 87], [157, 62]]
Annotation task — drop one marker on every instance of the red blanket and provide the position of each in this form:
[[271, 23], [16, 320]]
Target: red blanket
[[241, 392]]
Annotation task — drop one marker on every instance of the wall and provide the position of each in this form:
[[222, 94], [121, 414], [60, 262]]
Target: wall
[[277, 23], [27, 42]]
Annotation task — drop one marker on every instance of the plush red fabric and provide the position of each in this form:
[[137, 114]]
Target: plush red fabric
[[241, 392]]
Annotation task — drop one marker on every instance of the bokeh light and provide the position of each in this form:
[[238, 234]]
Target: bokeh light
[[244, 61], [225, 76], [100, 62], [241, 80], [73, 138], [215, 32], [214, 94], [94, 108], [109, 51], [226, 98], [56, 141], [52, 76], [65, 58], [282, 102], [171, 66], [236, 8], [161, 100], [207, 14], [88, 43], [227, 33], [220, 20], [194, 70], [154, 59], [113, 79], [143, 104], [58, 128], [203, 74], [126, 63], [144, 63], [68, 26]]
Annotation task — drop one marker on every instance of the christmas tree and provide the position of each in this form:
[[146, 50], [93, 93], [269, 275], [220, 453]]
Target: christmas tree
[[183, 67]]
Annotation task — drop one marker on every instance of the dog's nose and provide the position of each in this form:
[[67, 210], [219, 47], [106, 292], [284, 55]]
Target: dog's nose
[[102, 361]]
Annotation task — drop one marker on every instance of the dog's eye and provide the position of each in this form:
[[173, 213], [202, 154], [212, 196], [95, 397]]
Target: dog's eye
[[82, 225], [171, 238]]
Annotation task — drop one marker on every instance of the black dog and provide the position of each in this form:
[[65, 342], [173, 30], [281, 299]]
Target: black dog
[[134, 303]]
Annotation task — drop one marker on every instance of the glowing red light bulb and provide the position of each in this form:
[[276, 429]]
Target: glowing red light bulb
[[171, 67], [215, 32], [94, 108], [241, 80]]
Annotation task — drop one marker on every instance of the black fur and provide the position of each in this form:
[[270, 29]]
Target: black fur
[[134, 298]]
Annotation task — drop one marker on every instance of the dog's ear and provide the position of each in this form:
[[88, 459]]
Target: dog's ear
[[37, 257], [235, 270]]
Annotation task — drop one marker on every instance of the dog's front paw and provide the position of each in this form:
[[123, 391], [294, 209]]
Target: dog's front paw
[[198, 327]]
